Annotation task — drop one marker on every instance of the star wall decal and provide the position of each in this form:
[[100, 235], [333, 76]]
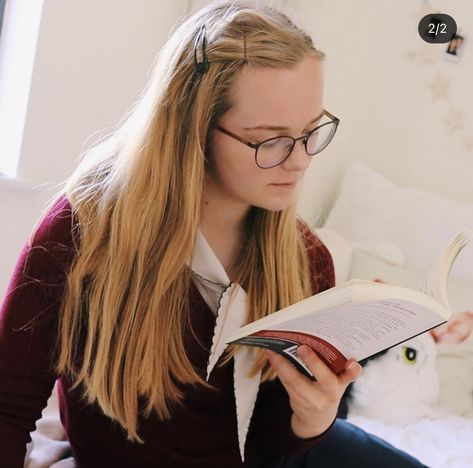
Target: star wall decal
[[429, 54], [468, 142], [440, 83], [411, 55], [454, 120], [439, 86]]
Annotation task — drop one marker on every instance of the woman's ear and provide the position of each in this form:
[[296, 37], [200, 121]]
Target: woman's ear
[[209, 146]]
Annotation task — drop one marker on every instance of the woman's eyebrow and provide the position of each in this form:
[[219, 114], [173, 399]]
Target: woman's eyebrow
[[276, 127]]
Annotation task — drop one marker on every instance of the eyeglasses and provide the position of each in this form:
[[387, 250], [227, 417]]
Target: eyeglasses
[[276, 150]]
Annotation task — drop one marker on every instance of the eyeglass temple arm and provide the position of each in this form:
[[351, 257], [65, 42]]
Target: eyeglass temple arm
[[328, 114], [233, 135]]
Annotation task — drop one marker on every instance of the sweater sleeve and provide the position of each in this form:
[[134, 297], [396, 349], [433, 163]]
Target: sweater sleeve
[[320, 260], [28, 317], [273, 411]]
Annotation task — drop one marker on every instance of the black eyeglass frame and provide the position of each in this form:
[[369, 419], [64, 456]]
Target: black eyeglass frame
[[304, 138]]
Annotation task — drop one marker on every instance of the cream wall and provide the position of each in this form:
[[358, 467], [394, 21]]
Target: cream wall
[[379, 79], [93, 58]]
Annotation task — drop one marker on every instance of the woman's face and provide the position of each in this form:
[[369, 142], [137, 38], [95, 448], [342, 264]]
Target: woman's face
[[290, 98]]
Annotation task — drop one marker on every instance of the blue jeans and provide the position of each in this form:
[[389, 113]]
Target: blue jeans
[[345, 445]]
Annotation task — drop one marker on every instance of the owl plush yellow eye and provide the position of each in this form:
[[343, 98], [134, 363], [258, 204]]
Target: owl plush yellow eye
[[409, 355]]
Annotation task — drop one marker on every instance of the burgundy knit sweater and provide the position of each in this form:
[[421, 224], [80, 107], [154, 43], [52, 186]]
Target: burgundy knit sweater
[[202, 433]]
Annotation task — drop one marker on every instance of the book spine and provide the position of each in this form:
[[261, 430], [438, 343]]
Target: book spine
[[286, 344]]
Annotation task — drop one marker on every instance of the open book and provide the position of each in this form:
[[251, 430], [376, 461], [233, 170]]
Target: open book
[[358, 318]]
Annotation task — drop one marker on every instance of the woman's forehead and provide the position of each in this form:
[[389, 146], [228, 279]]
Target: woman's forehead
[[271, 96]]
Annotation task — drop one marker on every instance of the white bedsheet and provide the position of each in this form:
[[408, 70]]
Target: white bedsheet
[[445, 442]]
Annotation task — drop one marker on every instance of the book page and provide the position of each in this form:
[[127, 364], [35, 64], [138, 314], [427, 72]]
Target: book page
[[434, 280], [361, 330]]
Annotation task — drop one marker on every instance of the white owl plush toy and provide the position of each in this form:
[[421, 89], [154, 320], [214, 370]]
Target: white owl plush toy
[[399, 386]]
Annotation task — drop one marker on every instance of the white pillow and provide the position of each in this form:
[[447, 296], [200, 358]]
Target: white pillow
[[366, 266], [342, 249], [421, 223], [455, 369]]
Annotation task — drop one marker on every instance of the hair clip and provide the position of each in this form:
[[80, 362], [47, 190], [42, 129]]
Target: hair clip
[[201, 63], [245, 32]]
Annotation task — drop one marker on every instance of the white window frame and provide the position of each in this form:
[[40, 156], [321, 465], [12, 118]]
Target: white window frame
[[18, 41]]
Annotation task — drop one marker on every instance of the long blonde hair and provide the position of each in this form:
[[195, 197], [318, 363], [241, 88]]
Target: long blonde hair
[[136, 197]]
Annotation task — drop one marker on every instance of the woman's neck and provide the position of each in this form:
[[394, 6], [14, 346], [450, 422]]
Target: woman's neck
[[223, 230]]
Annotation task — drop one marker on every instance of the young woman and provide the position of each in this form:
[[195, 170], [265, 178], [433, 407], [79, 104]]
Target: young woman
[[173, 231]]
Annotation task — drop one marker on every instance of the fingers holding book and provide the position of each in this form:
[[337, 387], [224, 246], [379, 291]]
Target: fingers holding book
[[314, 403]]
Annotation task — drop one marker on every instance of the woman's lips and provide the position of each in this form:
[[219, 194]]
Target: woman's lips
[[291, 185]]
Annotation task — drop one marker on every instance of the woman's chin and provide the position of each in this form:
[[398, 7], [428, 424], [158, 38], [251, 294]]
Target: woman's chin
[[278, 205]]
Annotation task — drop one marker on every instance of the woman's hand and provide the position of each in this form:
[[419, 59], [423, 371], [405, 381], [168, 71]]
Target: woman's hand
[[456, 330], [314, 404]]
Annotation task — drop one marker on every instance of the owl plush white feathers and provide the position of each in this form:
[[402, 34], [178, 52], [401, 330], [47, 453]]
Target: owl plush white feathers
[[400, 386]]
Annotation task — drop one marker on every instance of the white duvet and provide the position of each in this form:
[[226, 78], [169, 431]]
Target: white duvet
[[396, 399], [445, 442]]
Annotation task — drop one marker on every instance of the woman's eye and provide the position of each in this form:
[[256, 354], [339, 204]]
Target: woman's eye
[[271, 143]]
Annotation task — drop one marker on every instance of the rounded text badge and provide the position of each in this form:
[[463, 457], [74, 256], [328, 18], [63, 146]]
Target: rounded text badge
[[437, 28]]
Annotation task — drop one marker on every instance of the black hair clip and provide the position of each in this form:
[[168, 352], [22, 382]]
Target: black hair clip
[[201, 63]]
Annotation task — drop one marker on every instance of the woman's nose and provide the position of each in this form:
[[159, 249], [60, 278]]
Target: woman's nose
[[298, 159]]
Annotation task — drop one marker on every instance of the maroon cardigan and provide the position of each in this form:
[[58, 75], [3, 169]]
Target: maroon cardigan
[[202, 433]]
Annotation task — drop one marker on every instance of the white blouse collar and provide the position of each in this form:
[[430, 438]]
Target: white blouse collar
[[206, 264], [231, 315]]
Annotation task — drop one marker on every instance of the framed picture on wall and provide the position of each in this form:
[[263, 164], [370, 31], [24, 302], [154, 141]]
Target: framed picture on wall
[[455, 48]]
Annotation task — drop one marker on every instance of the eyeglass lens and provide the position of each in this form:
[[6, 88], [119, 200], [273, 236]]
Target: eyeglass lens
[[275, 150]]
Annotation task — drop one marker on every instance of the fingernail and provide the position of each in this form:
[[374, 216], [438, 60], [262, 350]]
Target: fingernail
[[352, 365], [302, 350]]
